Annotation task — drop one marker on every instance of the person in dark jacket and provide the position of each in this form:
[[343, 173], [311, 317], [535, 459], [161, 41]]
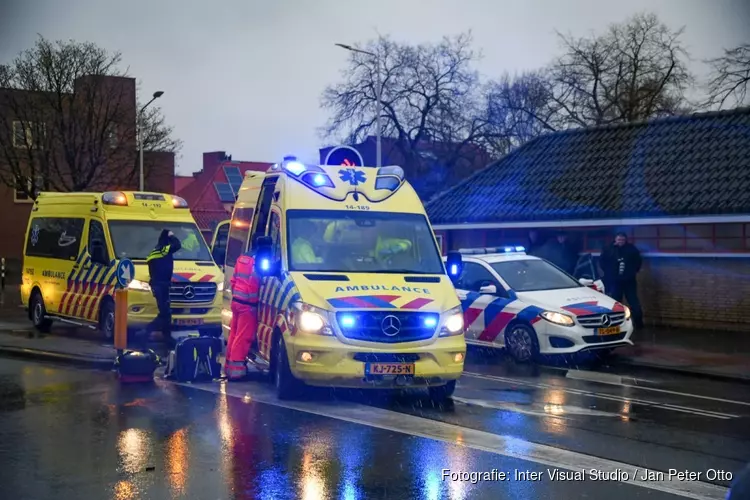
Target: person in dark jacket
[[560, 252], [160, 269], [620, 263]]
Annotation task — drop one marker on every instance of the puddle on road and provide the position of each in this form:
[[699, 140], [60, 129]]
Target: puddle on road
[[538, 409]]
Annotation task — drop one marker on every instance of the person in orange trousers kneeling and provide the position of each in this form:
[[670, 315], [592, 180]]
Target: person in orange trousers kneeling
[[245, 288]]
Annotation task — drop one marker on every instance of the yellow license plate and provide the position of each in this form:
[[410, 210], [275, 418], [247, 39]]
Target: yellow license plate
[[389, 369], [188, 322], [612, 330]]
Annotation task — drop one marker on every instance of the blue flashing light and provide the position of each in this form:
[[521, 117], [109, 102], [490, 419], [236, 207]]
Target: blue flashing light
[[295, 167], [454, 270], [319, 179], [347, 321], [520, 249], [508, 249], [265, 264], [430, 322]]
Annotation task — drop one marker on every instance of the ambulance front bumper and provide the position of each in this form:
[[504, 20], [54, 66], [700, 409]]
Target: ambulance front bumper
[[203, 318], [329, 362]]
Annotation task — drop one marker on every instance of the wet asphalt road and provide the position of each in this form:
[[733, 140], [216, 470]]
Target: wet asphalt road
[[71, 434]]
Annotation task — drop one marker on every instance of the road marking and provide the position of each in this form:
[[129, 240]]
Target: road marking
[[469, 438], [603, 380], [621, 399], [537, 409]]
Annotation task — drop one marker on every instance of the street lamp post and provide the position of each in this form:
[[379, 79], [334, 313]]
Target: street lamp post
[[378, 94], [157, 95]]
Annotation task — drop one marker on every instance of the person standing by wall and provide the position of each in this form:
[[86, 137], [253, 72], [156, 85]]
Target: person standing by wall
[[620, 263]]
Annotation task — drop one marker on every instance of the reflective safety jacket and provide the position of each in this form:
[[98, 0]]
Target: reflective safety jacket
[[190, 243], [245, 283], [386, 247], [161, 261], [303, 252]]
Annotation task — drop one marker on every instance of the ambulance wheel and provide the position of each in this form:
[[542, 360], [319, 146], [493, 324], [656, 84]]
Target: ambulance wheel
[[39, 313], [521, 343], [107, 320], [287, 385], [440, 393]]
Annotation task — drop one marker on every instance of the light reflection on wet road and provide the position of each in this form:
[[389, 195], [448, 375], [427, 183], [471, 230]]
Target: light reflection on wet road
[[75, 434]]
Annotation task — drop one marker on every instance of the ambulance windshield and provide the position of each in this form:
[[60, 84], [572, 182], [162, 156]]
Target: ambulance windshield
[[361, 242], [135, 239]]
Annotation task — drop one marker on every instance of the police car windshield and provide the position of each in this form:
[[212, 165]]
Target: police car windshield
[[348, 241], [136, 239], [533, 275]]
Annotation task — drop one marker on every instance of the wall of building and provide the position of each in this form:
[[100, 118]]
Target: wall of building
[[695, 276]]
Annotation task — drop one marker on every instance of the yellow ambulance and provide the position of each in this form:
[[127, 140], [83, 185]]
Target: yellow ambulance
[[74, 242], [354, 291]]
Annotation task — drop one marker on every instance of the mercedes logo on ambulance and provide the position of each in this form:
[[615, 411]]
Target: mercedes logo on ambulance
[[189, 292], [391, 325]]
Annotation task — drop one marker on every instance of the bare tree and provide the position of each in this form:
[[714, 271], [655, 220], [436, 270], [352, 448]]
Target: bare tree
[[68, 120], [635, 71], [430, 95], [730, 78]]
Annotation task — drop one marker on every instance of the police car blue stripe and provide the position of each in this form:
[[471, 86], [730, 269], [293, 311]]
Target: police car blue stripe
[[494, 308], [469, 300], [529, 313]]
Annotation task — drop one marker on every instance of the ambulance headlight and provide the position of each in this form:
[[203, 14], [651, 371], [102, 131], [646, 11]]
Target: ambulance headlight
[[220, 286], [558, 318], [139, 285], [452, 322], [309, 319]]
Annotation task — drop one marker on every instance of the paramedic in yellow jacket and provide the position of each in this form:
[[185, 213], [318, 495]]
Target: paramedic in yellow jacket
[[384, 247], [303, 251]]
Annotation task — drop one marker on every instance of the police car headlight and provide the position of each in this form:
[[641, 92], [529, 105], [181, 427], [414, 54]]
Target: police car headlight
[[558, 318], [310, 319], [627, 313], [139, 285], [453, 322]]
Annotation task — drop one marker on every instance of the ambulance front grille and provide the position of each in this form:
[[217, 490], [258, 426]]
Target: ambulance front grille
[[192, 293], [389, 327]]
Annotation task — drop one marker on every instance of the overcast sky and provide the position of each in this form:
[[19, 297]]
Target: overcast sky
[[246, 77]]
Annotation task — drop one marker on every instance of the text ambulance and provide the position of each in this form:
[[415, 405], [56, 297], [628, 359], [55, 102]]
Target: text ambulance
[[74, 242], [354, 292]]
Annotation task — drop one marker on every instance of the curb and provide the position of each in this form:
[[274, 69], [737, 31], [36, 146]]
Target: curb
[[623, 361], [71, 359]]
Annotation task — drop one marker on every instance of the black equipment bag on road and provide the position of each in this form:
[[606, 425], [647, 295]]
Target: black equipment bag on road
[[137, 366], [195, 359]]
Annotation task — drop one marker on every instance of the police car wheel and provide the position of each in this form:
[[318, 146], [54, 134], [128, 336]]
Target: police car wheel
[[39, 313], [442, 392], [286, 384], [107, 320], [521, 343]]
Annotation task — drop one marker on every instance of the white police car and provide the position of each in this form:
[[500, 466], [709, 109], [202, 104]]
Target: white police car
[[530, 306]]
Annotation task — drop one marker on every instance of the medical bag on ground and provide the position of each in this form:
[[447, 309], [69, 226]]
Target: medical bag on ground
[[137, 366], [195, 359]]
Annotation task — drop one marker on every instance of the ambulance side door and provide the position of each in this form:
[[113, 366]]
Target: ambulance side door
[[94, 279], [219, 243]]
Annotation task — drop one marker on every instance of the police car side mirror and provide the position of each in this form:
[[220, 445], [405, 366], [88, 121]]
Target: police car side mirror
[[490, 289], [454, 265]]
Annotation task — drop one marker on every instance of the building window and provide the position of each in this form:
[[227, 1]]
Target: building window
[[23, 188], [29, 134]]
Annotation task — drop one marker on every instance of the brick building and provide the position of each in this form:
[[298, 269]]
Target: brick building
[[32, 153], [680, 187], [212, 191], [426, 169]]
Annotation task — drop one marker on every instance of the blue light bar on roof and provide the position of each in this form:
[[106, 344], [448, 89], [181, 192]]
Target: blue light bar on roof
[[493, 250], [294, 167]]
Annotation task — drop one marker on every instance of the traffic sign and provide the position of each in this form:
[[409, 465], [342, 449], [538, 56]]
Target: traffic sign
[[345, 156], [125, 272]]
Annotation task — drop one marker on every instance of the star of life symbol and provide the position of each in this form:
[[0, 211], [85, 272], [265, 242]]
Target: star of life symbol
[[391, 325], [35, 235]]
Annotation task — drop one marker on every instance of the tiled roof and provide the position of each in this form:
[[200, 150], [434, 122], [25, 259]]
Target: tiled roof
[[691, 165]]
